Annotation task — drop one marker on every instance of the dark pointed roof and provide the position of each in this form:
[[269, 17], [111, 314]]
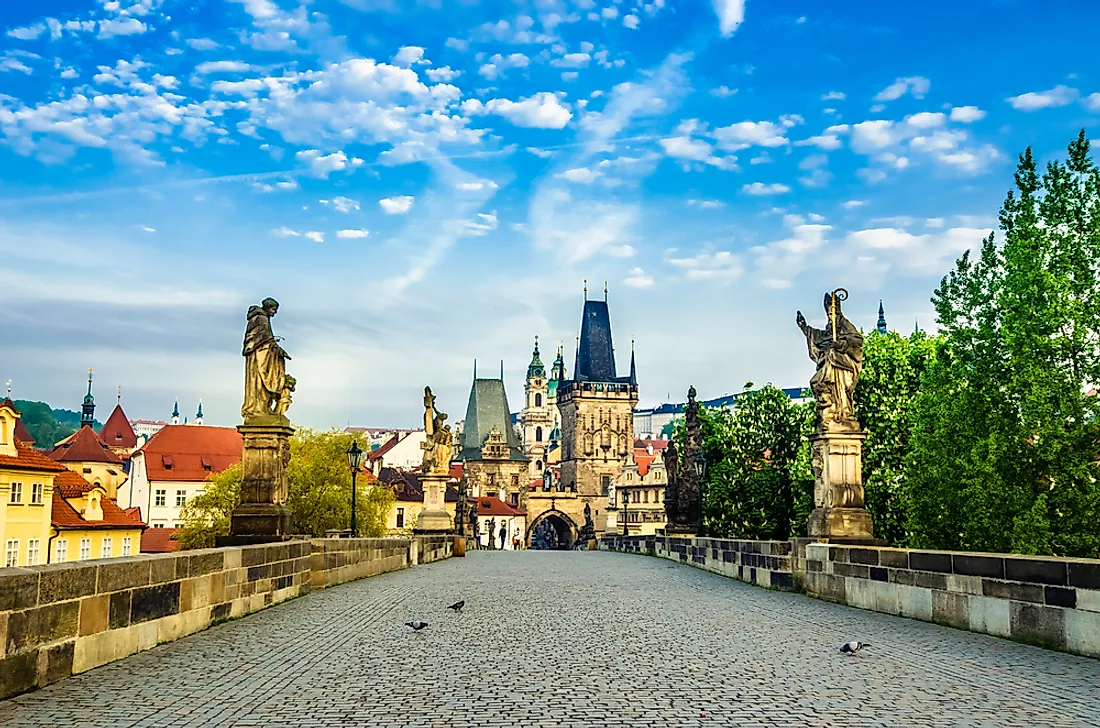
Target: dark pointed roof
[[595, 352], [488, 408], [116, 430], [536, 368], [84, 447], [881, 326]]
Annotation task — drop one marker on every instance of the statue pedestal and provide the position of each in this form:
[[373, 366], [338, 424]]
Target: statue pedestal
[[838, 487], [262, 514], [680, 530], [434, 518]]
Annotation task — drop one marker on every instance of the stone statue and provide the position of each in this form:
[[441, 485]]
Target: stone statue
[[267, 386], [492, 528], [589, 530], [473, 523], [687, 481], [838, 352], [672, 484], [439, 445]]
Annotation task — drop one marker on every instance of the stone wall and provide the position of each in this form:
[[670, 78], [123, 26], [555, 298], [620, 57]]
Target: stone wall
[[1046, 601], [764, 563], [63, 619]]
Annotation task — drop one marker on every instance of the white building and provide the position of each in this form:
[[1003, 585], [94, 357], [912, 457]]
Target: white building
[[401, 451], [495, 513], [651, 423], [173, 467]]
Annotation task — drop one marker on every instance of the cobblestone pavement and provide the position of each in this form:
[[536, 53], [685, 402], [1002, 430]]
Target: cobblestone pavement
[[571, 639]]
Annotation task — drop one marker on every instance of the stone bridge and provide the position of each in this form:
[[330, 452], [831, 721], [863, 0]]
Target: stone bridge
[[571, 639]]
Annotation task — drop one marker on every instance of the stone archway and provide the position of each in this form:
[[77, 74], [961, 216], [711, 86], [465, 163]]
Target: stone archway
[[552, 530]]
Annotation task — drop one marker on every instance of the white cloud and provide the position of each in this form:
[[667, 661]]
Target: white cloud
[[343, 204], [917, 86], [14, 64], [201, 44], [481, 225], [1035, 100], [687, 148], [631, 21], [398, 205], [912, 254], [723, 92], [730, 14], [935, 222], [926, 120], [834, 96], [125, 26], [745, 134], [442, 75], [852, 204], [28, 33], [322, 165], [967, 114], [408, 55], [315, 236], [620, 251], [285, 232], [571, 60], [871, 176], [352, 234], [148, 229], [476, 186], [720, 265], [541, 111], [705, 204], [1092, 102], [277, 187], [581, 175], [759, 188], [869, 136], [610, 12], [637, 277], [222, 67]]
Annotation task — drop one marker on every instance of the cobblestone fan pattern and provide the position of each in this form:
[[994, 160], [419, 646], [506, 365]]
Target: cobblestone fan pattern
[[580, 639]]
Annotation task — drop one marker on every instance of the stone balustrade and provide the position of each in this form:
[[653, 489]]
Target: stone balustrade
[[62, 619], [1047, 601]]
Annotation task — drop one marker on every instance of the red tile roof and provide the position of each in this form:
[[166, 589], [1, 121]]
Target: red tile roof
[[84, 447], [64, 516], [71, 485], [390, 444], [643, 460], [191, 452], [27, 458], [160, 540], [657, 444], [116, 430], [492, 506]]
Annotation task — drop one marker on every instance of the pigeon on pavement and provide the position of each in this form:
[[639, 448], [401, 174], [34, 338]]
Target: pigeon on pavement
[[853, 647], [457, 606], [417, 625]]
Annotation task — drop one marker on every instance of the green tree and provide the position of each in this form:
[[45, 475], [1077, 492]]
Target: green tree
[[43, 424], [892, 368], [1004, 440], [319, 496], [752, 483]]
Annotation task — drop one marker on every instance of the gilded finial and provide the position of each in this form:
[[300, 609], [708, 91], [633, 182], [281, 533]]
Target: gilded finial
[[9, 389], [586, 289], [605, 291]]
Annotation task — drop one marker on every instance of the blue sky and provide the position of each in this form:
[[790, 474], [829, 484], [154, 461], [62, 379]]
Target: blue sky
[[425, 182]]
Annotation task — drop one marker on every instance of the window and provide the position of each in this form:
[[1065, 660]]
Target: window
[[11, 553], [16, 494], [605, 483], [60, 550], [161, 497], [127, 542], [181, 498], [85, 549], [645, 496], [105, 548], [166, 461], [514, 498], [538, 402], [36, 494], [538, 434], [400, 517], [207, 464], [158, 525], [33, 546]]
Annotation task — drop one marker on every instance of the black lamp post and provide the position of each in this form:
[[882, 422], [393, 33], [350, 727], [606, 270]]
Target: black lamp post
[[355, 455], [626, 524], [701, 471]]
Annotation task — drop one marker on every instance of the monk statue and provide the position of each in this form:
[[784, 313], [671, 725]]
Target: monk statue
[[267, 386], [438, 446], [838, 352]]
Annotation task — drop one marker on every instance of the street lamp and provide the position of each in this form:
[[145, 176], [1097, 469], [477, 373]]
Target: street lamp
[[460, 509], [355, 455], [701, 471], [626, 499]]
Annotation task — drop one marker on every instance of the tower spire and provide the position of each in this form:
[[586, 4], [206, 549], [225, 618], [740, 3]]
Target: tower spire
[[633, 370], [176, 412], [881, 318], [118, 395], [585, 289], [502, 370], [475, 368], [87, 410]]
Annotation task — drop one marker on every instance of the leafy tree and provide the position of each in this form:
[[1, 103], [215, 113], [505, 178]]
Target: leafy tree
[[892, 368], [47, 426], [1004, 440], [752, 481], [319, 496]]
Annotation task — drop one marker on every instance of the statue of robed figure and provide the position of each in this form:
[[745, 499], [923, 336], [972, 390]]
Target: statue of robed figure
[[838, 352], [267, 386], [438, 446]]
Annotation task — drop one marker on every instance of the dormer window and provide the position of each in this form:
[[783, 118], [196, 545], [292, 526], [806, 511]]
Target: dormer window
[[166, 460], [207, 464]]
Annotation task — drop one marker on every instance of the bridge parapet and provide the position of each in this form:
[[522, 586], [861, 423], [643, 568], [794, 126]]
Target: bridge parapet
[[763, 563], [62, 619]]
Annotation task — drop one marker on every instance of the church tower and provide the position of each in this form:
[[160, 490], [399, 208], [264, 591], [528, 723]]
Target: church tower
[[198, 415], [596, 408], [176, 413], [87, 410], [881, 325], [537, 416]]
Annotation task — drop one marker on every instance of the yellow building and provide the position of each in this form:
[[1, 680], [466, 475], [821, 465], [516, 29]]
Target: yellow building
[[86, 524], [26, 495], [639, 493], [85, 453]]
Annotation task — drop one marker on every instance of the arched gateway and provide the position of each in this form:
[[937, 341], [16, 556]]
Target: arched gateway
[[552, 530]]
